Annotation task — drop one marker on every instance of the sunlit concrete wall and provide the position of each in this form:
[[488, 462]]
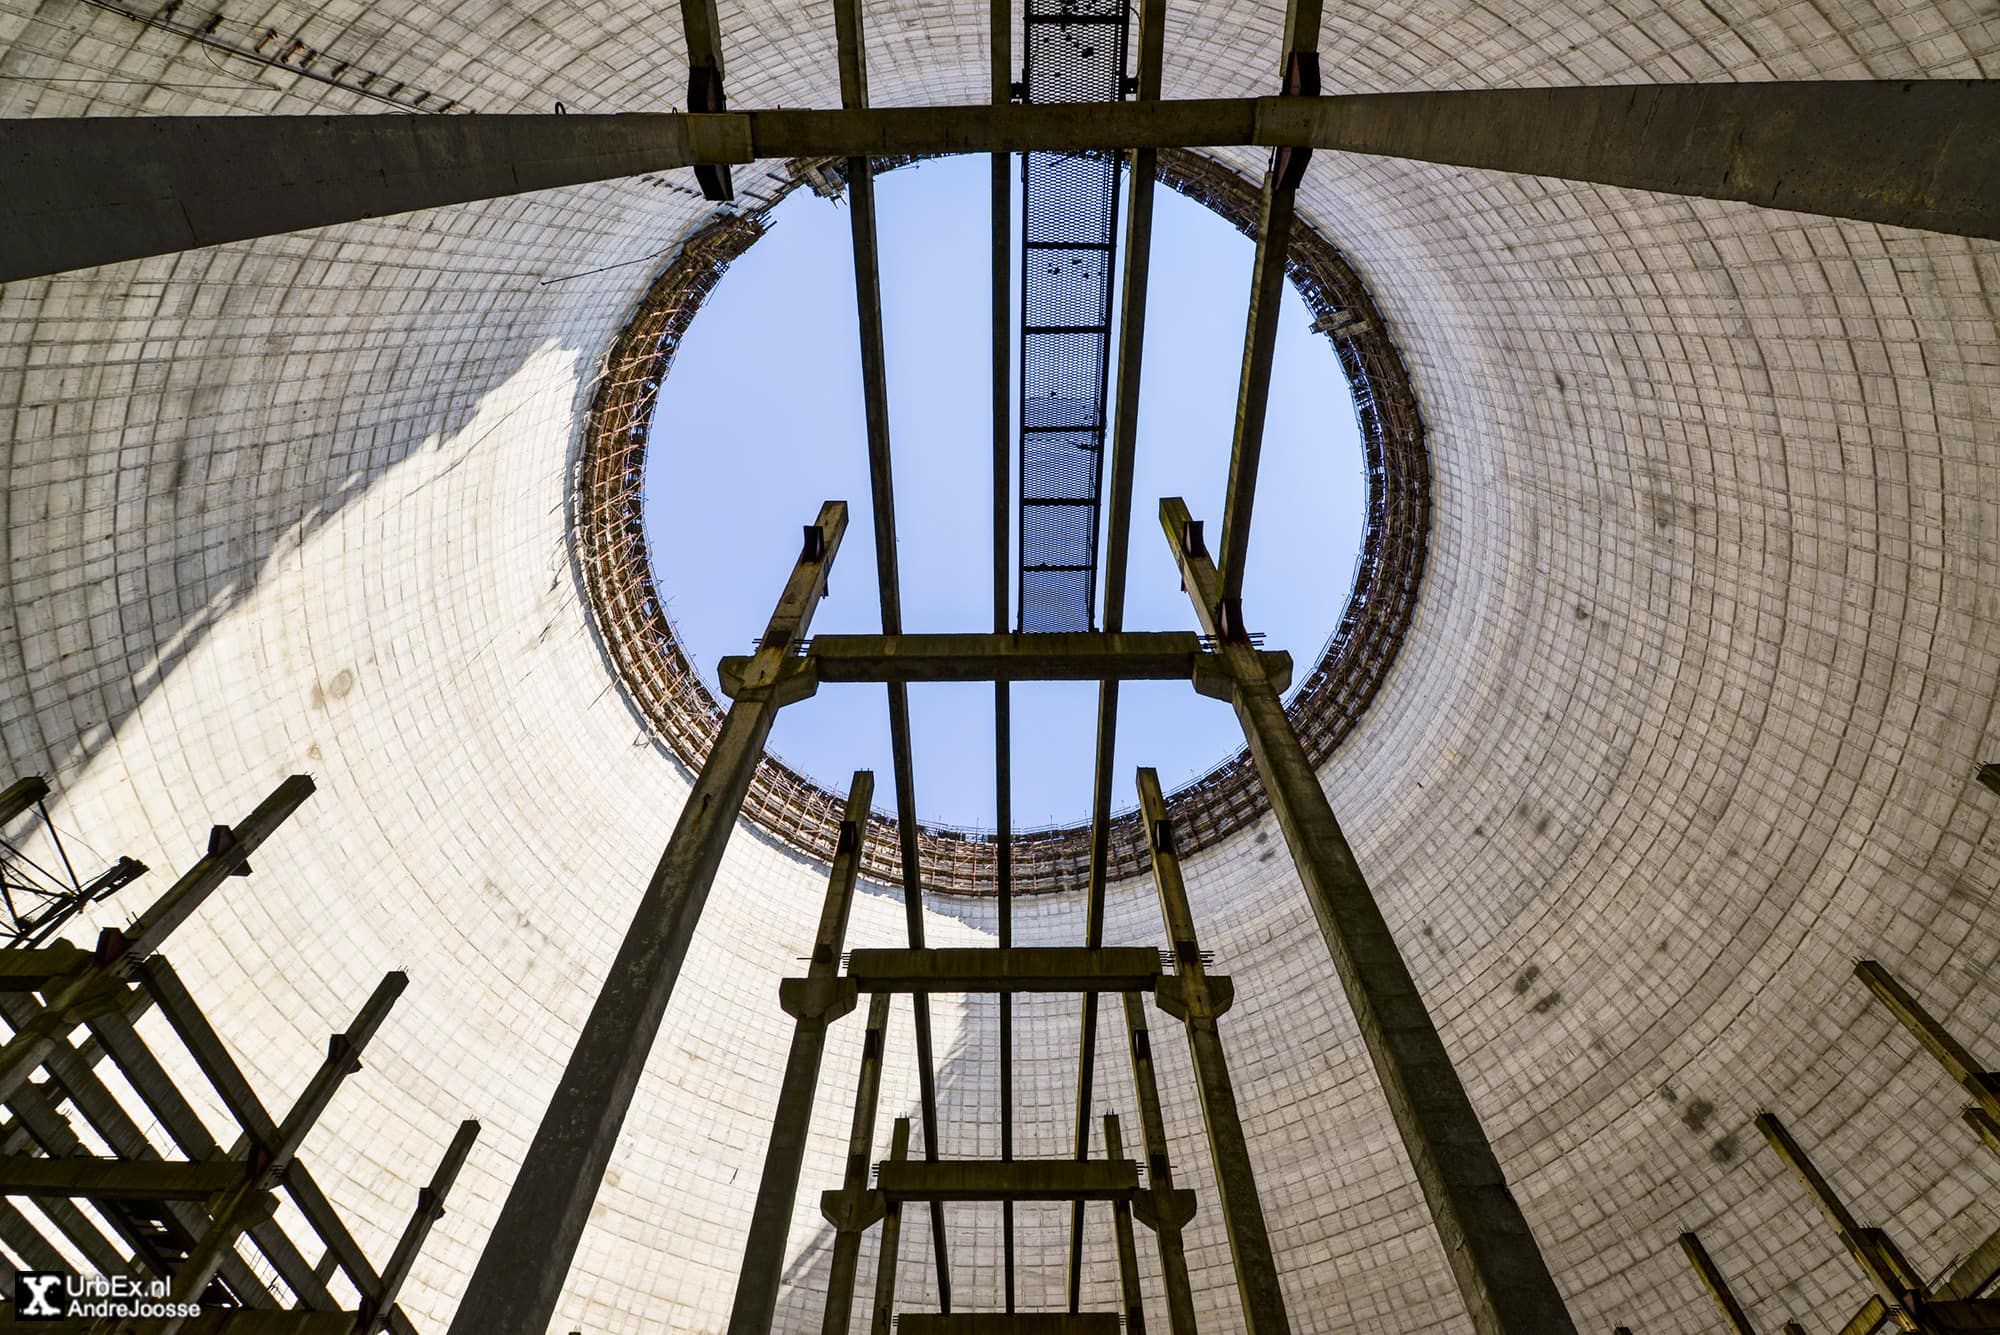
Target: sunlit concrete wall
[[1705, 660]]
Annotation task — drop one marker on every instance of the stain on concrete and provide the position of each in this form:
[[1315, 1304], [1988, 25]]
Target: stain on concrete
[[1582, 612], [342, 683], [1724, 1150], [1668, 1094], [312, 752], [1547, 1003], [1697, 1113], [1526, 979]]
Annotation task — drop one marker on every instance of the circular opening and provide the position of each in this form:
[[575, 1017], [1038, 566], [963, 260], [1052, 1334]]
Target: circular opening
[[754, 439], [763, 418]]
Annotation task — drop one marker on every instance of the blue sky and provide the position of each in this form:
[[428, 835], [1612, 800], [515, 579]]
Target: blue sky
[[761, 420]]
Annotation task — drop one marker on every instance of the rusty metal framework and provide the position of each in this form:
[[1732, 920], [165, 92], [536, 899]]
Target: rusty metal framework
[[667, 690]]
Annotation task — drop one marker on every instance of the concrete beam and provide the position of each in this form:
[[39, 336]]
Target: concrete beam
[[1166, 1222], [1057, 656], [251, 1200], [116, 1179], [157, 977], [519, 1277], [1712, 1279], [883, 1311], [430, 1208], [1983, 1085], [1501, 1274], [96, 190], [1898, 1285], [853, 57], [1007, 1180], [1003, 1323], [31, 970], [1017, 969], [762, 1273], [854, 1207], [1198, 1008], [19, 797]]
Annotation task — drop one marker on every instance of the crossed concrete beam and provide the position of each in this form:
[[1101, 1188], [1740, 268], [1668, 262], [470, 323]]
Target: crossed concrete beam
[[95, 190]]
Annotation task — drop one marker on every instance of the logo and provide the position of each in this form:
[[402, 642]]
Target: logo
[[38, 1295], [52, 1295]]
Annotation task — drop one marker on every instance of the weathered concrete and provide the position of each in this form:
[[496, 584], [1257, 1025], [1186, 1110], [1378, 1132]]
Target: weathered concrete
[[1197, 1006], [521, 1271], [764, 1252], [1501, 1274], [1909, 154]]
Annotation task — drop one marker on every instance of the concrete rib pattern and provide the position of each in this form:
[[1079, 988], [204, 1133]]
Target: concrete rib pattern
[[1687, 720]]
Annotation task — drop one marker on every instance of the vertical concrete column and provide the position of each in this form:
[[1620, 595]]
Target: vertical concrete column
[[854, 1207], [1131, 1302], [1718, 1287], [1190, 996], [884, 1321], [520, 1274], [374, 1315], [1164, 1210], [1501, 1275], [1894, 1279], [1983, 1085], [813, 1002]]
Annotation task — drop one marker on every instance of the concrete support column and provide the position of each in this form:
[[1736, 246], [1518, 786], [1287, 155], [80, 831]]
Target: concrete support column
[[1712, 1279], [1983, 1085], [1166, 1211], [520, 1274], [1130, 1301], [884, 1319], [1197, 1000], [820, 1001], [1493, 1255], [1897, 1283], [854, 1207]]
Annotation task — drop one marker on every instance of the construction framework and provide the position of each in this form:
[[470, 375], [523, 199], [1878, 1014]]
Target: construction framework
[[665, 688], [107, 1191], [1910, 153]]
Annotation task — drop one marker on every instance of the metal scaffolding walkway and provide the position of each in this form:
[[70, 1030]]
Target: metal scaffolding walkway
[[1069, 209]]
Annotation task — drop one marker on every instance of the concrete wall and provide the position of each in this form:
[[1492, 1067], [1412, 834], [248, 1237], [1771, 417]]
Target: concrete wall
[[1687, 720]]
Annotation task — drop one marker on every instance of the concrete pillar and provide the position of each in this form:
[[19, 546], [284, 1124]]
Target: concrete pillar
[[853, 1208], [1196, 1000], [520, 1274], [1169, 1210], [1131, 1303], [813, 1007], [883, 1322], [1981, 1084], [1499, 1268], [1894, 1279], [1718, 1287]]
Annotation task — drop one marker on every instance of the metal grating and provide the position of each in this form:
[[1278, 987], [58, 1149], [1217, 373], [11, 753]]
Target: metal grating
[[1069, 210]]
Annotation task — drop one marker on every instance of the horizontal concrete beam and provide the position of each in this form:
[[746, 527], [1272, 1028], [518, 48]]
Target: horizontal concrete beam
[[1066, 656], [118, 1179], [1015, 969], [1007, 1323], [27, 970], [1007, 1179], [95, 190]]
